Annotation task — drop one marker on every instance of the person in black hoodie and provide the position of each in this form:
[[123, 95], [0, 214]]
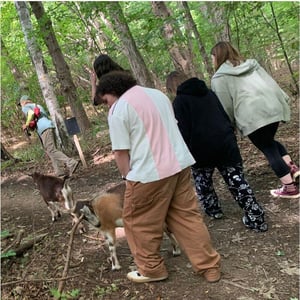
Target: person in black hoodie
[[209, 135]]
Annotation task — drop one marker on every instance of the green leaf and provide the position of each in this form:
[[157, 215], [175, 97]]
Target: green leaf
[[4, 234], [9, 253], [280, 253]]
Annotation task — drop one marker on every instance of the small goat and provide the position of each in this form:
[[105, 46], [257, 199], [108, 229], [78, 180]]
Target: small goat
[[105, 213], [54, 190]]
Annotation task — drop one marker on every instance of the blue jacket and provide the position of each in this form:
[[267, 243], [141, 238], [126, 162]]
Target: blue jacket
[[43, 122]]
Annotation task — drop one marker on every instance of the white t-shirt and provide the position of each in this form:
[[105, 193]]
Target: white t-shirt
[[142, 121]]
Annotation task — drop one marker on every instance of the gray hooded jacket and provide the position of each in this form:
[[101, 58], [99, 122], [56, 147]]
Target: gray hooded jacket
[[250, 96]]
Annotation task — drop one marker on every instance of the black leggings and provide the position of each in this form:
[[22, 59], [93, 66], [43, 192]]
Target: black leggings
[[263, 139]]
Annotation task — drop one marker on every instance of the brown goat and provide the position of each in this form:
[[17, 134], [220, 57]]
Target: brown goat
[[105, 213], [55, 191]]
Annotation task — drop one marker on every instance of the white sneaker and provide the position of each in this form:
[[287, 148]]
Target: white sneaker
[[135, 276]]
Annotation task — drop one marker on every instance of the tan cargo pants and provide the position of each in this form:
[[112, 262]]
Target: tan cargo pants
[[172, 200]]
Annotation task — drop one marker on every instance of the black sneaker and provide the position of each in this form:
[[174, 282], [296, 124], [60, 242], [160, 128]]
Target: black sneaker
[[258, 225]]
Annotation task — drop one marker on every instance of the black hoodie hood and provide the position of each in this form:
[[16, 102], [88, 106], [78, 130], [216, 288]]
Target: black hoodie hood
[[204, 125], [193, 87]]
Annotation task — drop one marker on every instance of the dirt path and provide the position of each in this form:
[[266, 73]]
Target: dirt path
[[255, 266]]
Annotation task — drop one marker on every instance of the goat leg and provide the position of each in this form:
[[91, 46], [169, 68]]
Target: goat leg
[[110, 237], [53, 215], [176, 249]]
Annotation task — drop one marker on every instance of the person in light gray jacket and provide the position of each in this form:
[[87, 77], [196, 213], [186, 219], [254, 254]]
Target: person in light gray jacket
[[256, 105]]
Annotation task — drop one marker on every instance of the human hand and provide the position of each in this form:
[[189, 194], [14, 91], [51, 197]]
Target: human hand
[[24, 126]]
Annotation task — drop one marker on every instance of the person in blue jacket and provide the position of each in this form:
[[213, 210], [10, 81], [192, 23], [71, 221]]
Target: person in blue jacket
[[210, 137], [45, 130]]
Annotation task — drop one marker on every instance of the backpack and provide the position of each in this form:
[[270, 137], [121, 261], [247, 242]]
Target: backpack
[[36, 116]]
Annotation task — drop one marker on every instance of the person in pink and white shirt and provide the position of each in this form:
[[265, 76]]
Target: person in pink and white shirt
[[155, 161]]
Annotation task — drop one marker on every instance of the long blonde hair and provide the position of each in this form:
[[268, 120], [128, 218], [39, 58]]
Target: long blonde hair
[[223, 51]]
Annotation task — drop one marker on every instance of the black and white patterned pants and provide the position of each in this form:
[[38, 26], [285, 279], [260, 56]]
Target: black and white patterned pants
[[237, 185]]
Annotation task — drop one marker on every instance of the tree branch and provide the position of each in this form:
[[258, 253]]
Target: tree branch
[[66, 268]]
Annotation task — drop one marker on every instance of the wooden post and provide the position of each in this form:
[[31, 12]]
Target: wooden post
[[73, 128], [76, 141]]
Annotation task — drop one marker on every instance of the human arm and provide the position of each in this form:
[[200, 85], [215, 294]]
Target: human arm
[[220, 88], [122, 159], [29, 118]]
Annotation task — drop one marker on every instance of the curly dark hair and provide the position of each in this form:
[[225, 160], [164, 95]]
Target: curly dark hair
[[115, 83], [103, 64]]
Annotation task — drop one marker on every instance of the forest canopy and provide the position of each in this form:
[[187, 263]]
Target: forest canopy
[[149, 38]]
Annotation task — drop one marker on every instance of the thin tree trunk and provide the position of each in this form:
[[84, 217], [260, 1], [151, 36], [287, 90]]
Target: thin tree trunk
[[62, 69], [215, 14], [94, 32], [197, 64], [180, 56], [120, 27], [43, 77], [276, 29], [200, 43]]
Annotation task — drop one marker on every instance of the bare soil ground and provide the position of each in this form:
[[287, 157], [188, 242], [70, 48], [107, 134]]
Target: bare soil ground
[[255, 266]]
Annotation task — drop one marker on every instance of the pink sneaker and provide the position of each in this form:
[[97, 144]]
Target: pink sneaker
[[290, 191], [295, 171]]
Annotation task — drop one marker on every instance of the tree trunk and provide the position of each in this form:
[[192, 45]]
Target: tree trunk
[[62, 69], [277, 30], [214, 12], [43, 77], [193, 28], [180, 55], [129, 48]]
